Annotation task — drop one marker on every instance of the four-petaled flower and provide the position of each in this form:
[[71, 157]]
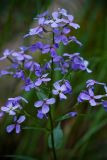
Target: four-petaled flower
[[6, 54], [12, 105], [60, 36], [42, 79], [16, 124], [59, 90], [76, 62], [89, 96], [45, 105]]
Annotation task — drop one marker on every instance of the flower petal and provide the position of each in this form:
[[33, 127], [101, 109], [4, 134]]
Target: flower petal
[[38, 82], [18, 128], [5, 109], [57, 86], [91, 93], [45, 109], [38, 104], [92, 102], [50, 101], [21, 119], [84, 96], [55, 92], [10, 128], [40, 115], [62, 96]]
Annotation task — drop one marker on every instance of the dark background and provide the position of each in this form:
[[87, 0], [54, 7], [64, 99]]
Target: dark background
[[85, 136]]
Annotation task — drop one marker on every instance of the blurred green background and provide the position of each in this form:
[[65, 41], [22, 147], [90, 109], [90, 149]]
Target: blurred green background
[[85, 136]]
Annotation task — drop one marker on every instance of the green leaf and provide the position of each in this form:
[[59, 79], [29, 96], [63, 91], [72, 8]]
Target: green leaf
[[36, 128], [58, 137], [66, 116]]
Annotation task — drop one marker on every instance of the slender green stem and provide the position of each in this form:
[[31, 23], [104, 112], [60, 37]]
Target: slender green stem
[[52, 136], [50, 112]]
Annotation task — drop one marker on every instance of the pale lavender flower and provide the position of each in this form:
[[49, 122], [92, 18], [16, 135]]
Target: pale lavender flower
[[92, 82], [5, 72], [74, 39], [18, 99], [36, 46], [12, 105], [28, 85], [50, 48], [34, 67], [42, 79], [6, 54], [16, 124], [89, 96], [59, 90], [57, 59], [44, 14], [68, 87], [44, 104], [11, 108], [63, 66], [39, 29], [21, 56], [40, 115], [19, 74], [60, 36], [77, 62]]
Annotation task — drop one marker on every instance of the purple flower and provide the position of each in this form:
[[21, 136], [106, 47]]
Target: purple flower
[[17, 99], [5, 72], [60, 18], [19, 74], [39, 29], [60, 36], [11, 108], [40, 115], [62, 65], [21, 56], [68, 87], [92, 82], [6, 54], [36, 46], [72, 114], [74, 39], [28, 85], [16, 124], [42, 79], [104, 103], [45, 106], [44, 14], [59, 90], [34, 67], [77, 62], [89, 96], [12, 105], [45, 48], [50, 48]]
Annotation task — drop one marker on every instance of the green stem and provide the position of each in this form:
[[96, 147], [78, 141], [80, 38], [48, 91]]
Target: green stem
[[52, 135], [50, 112]]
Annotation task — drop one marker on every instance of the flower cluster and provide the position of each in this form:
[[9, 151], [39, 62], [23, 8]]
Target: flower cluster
[[89, 94], [35, 76]]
